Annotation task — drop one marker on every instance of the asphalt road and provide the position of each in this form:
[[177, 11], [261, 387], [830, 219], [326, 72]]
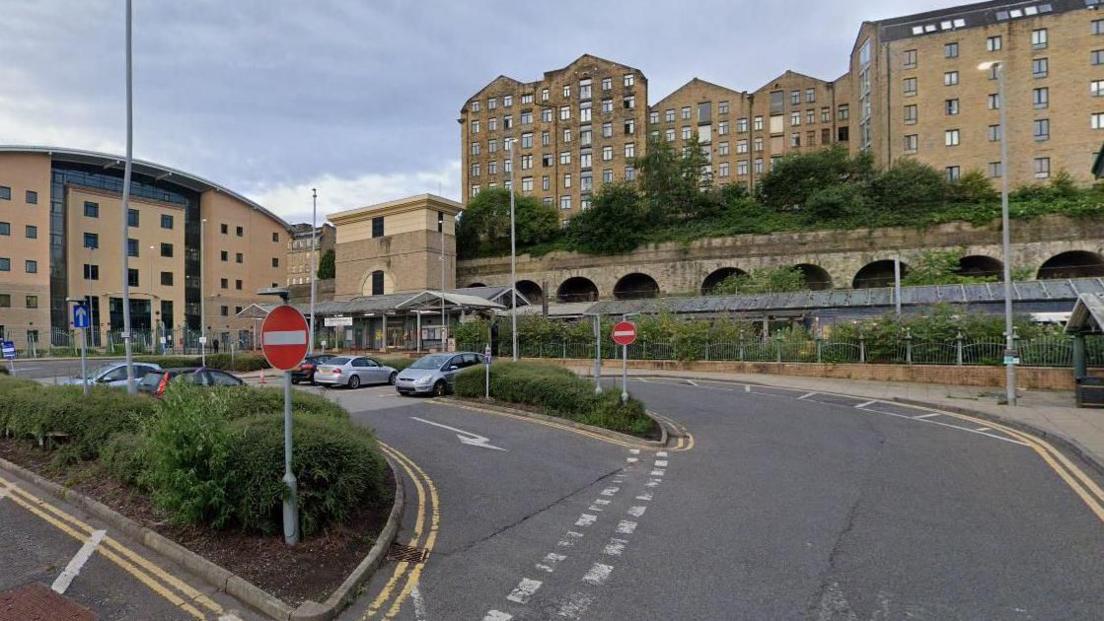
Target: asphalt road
[[48, 369], [785, 508]]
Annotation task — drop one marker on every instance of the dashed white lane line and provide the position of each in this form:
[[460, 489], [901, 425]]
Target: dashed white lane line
[[691, 382], [497, 615], [661, 463], [594, 508], [983, 429], [866, 403], [419, 604], [524, 590], [585, 520], [568, 541], [548, 563], [632, 460], [598, 574], [77, 562], [923, 416], [747, 387], [806, 395], [645, 496], [658, 472], [615, 547], [634, 451], [653, 482], [601, 501], [574, 605], [637, 511], [626, 527], [610, 491], [661, 454]]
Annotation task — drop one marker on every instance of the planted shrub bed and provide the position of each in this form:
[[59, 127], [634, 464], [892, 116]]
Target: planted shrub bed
[[558, 392], [242, 363]]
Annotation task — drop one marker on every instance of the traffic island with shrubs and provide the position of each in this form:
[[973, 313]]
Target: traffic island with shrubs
[[203, 466], [242, 363], [558, 392]]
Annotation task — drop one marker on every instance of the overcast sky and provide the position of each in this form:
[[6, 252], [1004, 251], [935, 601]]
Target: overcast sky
[[360, 98]]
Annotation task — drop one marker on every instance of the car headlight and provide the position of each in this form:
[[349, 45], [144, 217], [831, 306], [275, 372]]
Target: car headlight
[[423, 380]]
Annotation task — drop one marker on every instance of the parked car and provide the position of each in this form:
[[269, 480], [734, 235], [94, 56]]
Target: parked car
[[352, 371], [156, 383], [434, 373], [115, 374], [305, 371]]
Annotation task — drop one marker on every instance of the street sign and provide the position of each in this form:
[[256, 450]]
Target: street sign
[[624, 333], [1011, 359], [336, 322], [487, 355], [8, 348], [202, 340], [80, 316], [284, 337]]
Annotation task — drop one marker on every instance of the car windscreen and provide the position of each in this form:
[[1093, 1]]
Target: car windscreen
[[431, 362], [337, 362]]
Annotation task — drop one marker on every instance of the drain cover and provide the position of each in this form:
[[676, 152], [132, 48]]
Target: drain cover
[[410, 554], [37, 602]]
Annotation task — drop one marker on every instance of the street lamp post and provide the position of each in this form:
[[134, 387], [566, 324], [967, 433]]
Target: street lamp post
[[313, 269], [1010, 356], [202, 301], [131, 388], [513, 258]]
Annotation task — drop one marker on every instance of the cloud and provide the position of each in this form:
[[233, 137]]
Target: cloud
[[293, 202]]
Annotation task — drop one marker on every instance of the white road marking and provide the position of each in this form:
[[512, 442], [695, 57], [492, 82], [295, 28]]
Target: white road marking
[[419, 603], [661, 463], [594, 508], [586, 519], [524, 590], [229, 617], [615, 547], [634, 451], [625, 527], [983, 429], [77, 562], [4, 491], [610, 491], [497, 615], [574, 606], [632, 460], [637, 511], [653, 482], [567, 542], [866, 403], [658, 472], [465, 437], [747, 387], [935, 422], [601, 501], [598, 574], [691, 382], [806, 395], [549, 562], [645, 496], [922, 416], [661, 454]]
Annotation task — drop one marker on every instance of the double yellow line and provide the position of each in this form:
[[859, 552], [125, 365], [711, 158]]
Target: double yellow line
[[174, 590], [684, 440], [390, 599]]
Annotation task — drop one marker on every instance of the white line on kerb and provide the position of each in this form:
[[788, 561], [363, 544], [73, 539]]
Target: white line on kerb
[[626, 527], [598, 574], [4, 491], [806, 395], [497, 615], [927, 415], [586, 519], [747, 387], [73, 568], [866, 403], [691, 382], [637, 511], [983, 429], [524, 590]]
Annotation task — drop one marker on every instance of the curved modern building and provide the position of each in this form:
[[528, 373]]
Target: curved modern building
[[189, 242]]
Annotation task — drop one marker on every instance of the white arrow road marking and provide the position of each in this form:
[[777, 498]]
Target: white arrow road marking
[[73, 568], [465, 437]]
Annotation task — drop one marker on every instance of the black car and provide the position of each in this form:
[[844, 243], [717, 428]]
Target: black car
[[156, 383], [305, 371]]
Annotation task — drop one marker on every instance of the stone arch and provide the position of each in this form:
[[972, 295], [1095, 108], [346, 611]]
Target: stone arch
[[475, 284], [816, 277], [635, 286], [1072, 264], [577, 289], [531, 291], [366, 280], [877, 274], [718, 276], [980, 265]]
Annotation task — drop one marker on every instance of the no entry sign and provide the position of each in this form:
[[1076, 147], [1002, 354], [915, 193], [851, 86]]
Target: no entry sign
[[284, 337], [624, 333]]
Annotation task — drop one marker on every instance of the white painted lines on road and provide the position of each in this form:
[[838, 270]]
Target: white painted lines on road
[[653, 482], [585, 520], [419, 604], [497, 615], [569, 540], [806, 395], [923, 416], [548, 563], [524, 590], [610, 491], [637, 510], [661, 454], [661, 463], [645, 496], [747, 387], [983, 429], [615, 547], [634, 451], [574, 606], [626, 527], [598, 574], [62, 582], [658, 472], [691, 382], [632, 460], [465, 437], [866, 403]]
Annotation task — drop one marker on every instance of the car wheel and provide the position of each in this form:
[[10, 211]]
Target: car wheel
[[391, 379], [440, 388], [294, 381], [354, 381]]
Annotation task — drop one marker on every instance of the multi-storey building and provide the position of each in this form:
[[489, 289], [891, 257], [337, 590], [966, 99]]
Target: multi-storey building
[[305, 250], [61, 236], [574, 129]]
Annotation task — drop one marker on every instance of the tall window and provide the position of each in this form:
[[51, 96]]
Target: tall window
[[1041, 129], [910, 59], [950, 106], [1039, 67], [91, 210], [993, 44], [951, 138], [911, 143], [166, 221], [910, 87], [1040, 97], [953, 173], [910, 114], [1039, 38], [1042, 167], [950, 50], [377, 282], [377, 226], [950, 78]]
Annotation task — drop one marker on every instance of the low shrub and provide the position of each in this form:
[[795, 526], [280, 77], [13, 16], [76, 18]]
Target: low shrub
[[559, 392], [398, 362], [242, 363], [243, 401], [170, 362], [126, 457]]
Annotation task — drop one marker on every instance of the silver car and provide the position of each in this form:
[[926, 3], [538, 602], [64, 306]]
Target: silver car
[[434, 373], [352, 371], [114, 374]]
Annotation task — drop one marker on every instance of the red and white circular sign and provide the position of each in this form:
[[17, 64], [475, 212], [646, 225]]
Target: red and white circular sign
[[624, 333], [284, 337]]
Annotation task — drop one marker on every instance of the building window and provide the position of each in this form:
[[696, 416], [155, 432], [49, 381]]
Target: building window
[[567, 180], [132, 277], [630, 127], [669, 134], [546, 183], [1041, 129], [1042, 167], [795, 139], [5, 193], [993, 44], [275, 261], [492, 103], [507, 101], [565, 113], [5, 298], [950, 50], [546, 115], [630, 173], [910, 87], [584, 89], [91, 210], [565, 202], [32, 301], [1039, 38], [239, 257], [994, 133], [951, 138], [91, 271], [757, 144], [475, 169], [30, 231], [30, 266], [224, 283], [607, 175], [1096, 88], [526, 184], [669, 115], [722, 128], [132, 247], [91, 240], [722, 107], [653, 117], [1097, 26], [166, 249], [994, 101], [825, 114], [629, 79], [795, 119], [950, 78], [741, 168], [166, 221], [628, 103], [607, 84], [507, 121], [910, 59], [742, 124], [843, 112], [5, 264], [239, 231], [167, 279], [566, 91], [585, 159], [953, 173], [1040, 97], [1097, 57], [757, 166], [377, 226], [544, 94], [377, 282], [32, 197], [722, 147], [1097, 120], [224, 229], [795, 98], [565, 158], [686, 113], [757, 123], [950, 106], [475, 127], [686, 132], [224, 311], [224, 255], [722, 169], [630, 149], [810, 95], [132, 218], [911, 114], [1039, 67], [475, 106], [5, 228], [607, 106]]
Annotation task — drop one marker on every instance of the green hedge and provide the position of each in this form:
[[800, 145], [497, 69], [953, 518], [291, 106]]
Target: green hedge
[[242, 363], [559, 392], [398, 362]]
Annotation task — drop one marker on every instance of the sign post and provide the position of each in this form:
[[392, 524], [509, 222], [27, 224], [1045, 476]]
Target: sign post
[[284, 342], [597, 354], [487, 371], [624, 334], [8, 349], [80, 321]]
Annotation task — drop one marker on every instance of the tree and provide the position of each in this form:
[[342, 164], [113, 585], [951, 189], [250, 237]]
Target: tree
[[614, 223], [794, 178], [972, 187], [908, 184], [484, 226], [326, 266], [776, 280], [939, 267], [673, 184]]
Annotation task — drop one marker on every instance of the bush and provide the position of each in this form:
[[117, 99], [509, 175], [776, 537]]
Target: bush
[[558, 392], [126, 457], [242, 363], [170, 362], [398, 362]]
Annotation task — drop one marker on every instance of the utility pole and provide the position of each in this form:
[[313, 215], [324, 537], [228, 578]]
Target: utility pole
[[313, 269], [131, 388]]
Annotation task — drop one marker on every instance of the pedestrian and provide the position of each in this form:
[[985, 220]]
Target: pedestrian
[[215, 345]]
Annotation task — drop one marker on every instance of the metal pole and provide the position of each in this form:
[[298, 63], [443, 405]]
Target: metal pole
[[624, 369], [131, 388], [897, 284], [1006, 241], [513, 261], [313, 269], [418, 340], [202, 301], [487, 371], [291, 502], [84, 361], [444, 319], [597, 354]]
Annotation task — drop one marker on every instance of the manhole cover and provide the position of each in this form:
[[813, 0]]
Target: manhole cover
[[410, 554], [37, 602]]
